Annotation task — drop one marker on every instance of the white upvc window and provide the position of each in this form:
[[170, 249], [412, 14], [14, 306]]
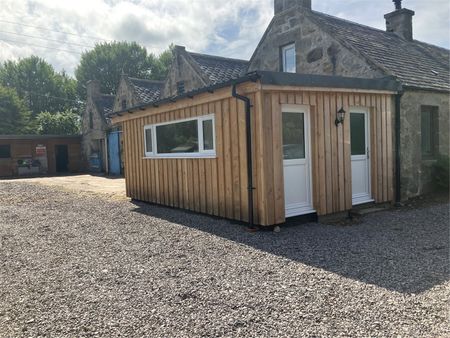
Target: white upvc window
[[187, 138], [289, 58], [148, 140]]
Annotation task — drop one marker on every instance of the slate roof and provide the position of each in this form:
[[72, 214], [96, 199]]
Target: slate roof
[[104, 103], [416, 64], [219, 69], [147, 90]]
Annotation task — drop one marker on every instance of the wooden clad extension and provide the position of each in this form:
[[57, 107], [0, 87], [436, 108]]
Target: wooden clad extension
[[331, 155], [218, 186]]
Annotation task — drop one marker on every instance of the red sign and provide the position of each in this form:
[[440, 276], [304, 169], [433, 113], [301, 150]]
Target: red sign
[[41, 150]]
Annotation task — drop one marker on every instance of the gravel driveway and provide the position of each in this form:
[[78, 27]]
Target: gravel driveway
[[74, 266]]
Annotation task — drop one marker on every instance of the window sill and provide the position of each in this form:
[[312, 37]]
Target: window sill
[[180, 157]]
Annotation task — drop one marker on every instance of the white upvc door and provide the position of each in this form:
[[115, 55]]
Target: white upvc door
[[360, 150], [296, 160]]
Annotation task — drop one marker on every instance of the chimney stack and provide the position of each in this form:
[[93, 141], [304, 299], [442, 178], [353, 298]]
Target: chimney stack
[[282, 5], [400, 21], [93, 88]]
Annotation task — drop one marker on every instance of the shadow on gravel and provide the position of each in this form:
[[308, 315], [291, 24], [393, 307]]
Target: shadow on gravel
[[403, 251]]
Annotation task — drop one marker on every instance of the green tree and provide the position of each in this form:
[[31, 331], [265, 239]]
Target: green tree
[[64, 123], [107, 61], [14, 116], [163, 64], [39, 85]]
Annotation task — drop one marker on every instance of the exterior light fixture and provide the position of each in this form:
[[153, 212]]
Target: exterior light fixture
[[340, 116]]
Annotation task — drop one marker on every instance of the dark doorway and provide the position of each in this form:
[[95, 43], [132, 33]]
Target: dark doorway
[[62, 158]]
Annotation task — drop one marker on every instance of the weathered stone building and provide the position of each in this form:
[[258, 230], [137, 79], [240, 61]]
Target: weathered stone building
[[326, 45], [132, 92], [97, 129], [304, 41], [190, 71], [94, 125]]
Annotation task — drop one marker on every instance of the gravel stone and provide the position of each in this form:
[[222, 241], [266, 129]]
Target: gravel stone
[[84, 266]]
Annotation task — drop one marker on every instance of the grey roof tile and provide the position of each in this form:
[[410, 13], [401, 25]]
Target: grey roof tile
[[219, 69], [104, 104], [414, 63], [147, 90]]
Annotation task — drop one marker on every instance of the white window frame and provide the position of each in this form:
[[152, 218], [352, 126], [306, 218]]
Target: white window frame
[[202, 153], [284, 49], [149, 153]]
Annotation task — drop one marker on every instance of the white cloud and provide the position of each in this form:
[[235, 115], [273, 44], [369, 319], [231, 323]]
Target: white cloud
[[229, 28]]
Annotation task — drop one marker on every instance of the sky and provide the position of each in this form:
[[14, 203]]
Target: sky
[[60, 30]]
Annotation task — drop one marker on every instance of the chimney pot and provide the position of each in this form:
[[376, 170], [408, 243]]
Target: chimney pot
[[282, 5], [398, 4]]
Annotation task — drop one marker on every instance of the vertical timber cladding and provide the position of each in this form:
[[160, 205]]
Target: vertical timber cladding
[[215, 186], [330, 148], [218, 186]]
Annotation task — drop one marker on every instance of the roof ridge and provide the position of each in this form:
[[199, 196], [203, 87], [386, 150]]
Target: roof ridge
[[217, 57], [357, 24], [370, 43], [431, 45], [146, 80], [378, 30]]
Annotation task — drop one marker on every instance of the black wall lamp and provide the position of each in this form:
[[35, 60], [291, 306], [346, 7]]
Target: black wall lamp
[[340, 116]]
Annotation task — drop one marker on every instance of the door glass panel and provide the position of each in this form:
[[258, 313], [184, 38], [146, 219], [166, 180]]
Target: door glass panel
[[293, 136], [358, 133]]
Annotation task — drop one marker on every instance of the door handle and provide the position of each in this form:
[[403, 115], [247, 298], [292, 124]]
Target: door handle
[[368, 152]]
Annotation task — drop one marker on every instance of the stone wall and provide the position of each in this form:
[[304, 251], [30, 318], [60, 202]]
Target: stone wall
[[91, 136], [124, 92], [416, 172], [317, 51], [182, 69]]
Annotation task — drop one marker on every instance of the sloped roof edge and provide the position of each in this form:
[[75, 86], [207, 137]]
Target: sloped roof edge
[[388, 83]]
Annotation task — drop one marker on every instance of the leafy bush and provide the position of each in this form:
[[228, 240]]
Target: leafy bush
[[65, 123], [441, 172]]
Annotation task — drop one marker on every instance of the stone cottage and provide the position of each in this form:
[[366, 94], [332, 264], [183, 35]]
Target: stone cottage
[[190, 71], [94, 125], [133, 92], [301, 40], [102, 140]]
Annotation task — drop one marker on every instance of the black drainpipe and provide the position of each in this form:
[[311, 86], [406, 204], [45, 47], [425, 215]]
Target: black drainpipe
[[248, 128], [398, 196]]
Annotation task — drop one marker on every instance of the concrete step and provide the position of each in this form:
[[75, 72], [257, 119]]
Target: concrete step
[[367, 210]]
